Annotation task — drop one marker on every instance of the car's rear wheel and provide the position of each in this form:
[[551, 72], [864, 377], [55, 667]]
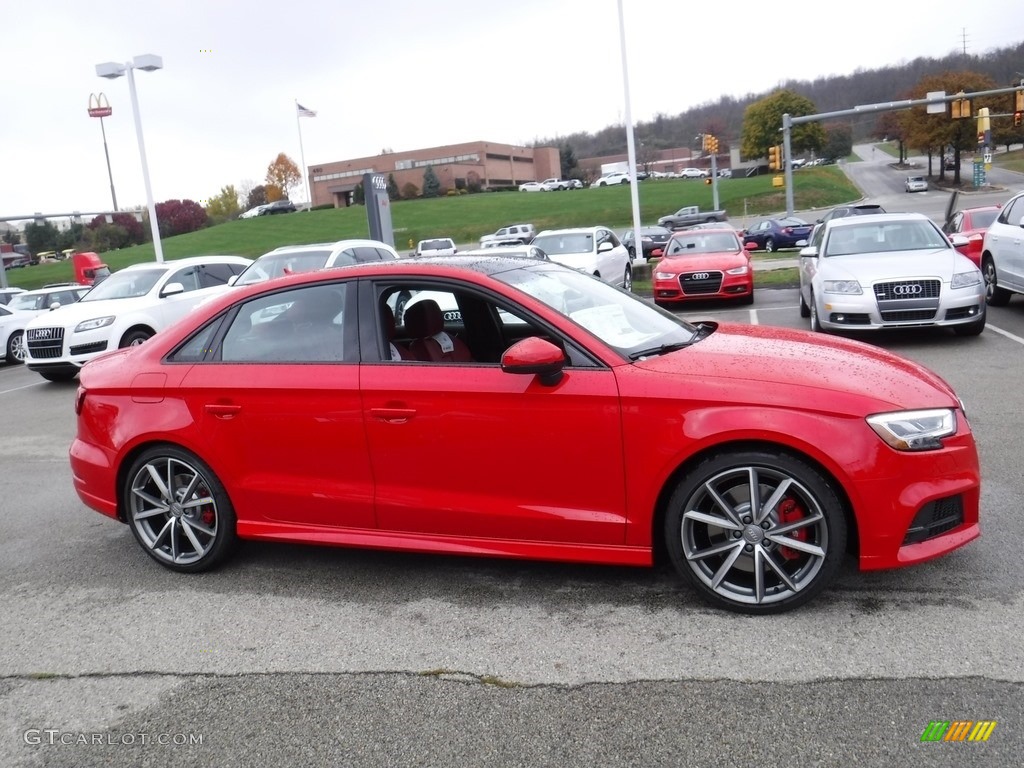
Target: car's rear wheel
[[178, 510], [769, 245], [994, 295], [631, 251], [627, 279], [756, 532], [16, 352]]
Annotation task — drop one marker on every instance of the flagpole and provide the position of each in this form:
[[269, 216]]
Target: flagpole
[[302, 156]]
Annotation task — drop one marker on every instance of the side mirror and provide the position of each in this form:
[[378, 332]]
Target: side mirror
[[801, 243], [232, 280], [810, 252], [535, 356], [604, 247], [657, 253], [958, 240], [172, 289], [54, 305]]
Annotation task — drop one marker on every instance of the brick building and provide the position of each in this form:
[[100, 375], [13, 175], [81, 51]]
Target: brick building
[[478, 163]]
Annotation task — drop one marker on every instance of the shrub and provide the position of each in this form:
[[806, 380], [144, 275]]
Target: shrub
[[410, 191]]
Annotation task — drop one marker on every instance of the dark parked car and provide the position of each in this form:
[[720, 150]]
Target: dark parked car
[[651, 238], [278, 206], [842, 211], [772, 234]]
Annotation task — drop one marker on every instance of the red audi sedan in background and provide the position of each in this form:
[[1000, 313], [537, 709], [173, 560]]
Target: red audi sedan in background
[[704, 264], [972, 223], [509, 425]]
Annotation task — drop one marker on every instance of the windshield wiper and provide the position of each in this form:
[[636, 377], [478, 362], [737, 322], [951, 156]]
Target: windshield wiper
[[663, 349]]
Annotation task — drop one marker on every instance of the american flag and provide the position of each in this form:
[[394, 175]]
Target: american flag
[[303, 112]]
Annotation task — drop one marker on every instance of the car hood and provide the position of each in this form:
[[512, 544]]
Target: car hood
[[77, 312], [897, 265], [781, 366], [699, 261]]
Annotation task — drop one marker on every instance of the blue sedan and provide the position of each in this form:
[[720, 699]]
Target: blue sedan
[[773, 234]]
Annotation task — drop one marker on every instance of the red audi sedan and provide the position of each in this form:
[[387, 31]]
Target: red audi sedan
[[509, 425], [972, 223], [704, 264]]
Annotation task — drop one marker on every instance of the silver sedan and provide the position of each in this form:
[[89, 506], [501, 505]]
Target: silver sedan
[[891, 270]]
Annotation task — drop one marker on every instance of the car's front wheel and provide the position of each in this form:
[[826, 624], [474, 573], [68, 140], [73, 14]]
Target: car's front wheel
[[16, 352], [134, 337], [805, 311], [815, 320], [994, 295], [756, 532], [178, 510], [627, 279]]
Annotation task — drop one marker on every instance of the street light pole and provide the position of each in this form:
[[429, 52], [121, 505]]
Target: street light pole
[[111, 70]]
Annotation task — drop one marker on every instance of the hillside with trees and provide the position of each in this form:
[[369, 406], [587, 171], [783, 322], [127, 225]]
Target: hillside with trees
[[725, 118]]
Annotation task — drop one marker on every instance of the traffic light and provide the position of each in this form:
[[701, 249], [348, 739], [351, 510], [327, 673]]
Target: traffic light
[[961, 108], [1017, 119], [714, 144], [705, 141], [775, 158], [1018, 102]]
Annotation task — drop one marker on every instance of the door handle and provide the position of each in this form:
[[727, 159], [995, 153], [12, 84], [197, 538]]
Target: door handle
[[222, 410], [393, 415]]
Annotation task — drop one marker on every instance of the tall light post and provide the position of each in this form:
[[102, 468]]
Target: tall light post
[[100, 107], [111, 70]]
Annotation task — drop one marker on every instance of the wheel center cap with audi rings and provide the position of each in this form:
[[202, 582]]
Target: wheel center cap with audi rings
[[753, 534], [176, 510]]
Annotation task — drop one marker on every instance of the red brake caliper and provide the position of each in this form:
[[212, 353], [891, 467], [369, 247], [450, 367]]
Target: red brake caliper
[[790, 512]]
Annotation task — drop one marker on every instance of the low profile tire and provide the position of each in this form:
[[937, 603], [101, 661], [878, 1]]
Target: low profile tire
[[994, 295], [805, 311], [815, 322], [627, 279], [763, 551], [971, 329], [769, 245], [178, 510], [134, 338], [16, 352]]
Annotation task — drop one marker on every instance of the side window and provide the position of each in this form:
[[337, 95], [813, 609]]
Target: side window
[[187, 276], [386, 255], [816, 238], [212, 275], [346, 257], [303, 325], [1014, 212], [197, 347], [366, 253]]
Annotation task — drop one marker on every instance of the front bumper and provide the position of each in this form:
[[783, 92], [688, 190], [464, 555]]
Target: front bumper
[[717, 285], [57, 348], [877, 308]]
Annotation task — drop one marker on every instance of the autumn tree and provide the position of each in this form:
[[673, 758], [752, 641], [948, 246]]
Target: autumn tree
[[762, 125], [176, 217], [123, 230], [931, 134], [284, 174], [393, 193], [224, 206], [890, 128], [273, 192], [257, 196], [431, 184]]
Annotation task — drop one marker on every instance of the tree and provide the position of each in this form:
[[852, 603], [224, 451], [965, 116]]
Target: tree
[[224, 206], [410, 191], [431, 184], [933, 133], [130, 231], [12, 237], [273, 192], [41, 237], [358, 196], [889, 127], [762, 125], [570, 164], [176, 217], [838, 141], [393, 193], [284, 174], [257, 196]]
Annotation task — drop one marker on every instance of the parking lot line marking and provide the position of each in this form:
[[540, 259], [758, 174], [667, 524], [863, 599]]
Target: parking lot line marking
[[33, 384], [1007, 334], [753, 317]]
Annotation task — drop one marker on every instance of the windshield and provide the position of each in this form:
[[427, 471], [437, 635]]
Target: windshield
[[436, 245], [982, 219], [702, 242], [285, 263], [576, 242], [23, 301], [619, 319], [882, 237], [126, 284]]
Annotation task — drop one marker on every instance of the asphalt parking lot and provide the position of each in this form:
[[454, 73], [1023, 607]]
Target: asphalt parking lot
[[296, 655]]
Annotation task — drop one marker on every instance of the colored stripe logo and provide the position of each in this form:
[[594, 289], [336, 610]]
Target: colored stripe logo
[[958, 730]]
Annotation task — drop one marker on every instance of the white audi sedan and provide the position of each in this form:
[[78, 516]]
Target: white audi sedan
[[889, 270], [594, 250]]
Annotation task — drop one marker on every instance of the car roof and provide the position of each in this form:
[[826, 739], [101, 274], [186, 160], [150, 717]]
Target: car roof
[[702, 232], [338, 245], [187, 262], [852, 221], [572, 231]]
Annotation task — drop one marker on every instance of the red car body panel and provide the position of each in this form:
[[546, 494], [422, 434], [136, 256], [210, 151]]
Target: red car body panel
[[474, 460], [973, 223]]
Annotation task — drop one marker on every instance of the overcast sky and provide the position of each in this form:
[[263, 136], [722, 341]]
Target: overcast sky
[[402, 74]]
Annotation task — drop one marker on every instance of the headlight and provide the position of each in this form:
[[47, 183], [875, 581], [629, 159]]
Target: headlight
[[96, 322], [664, 275], [737, 270], [914, 430], [966, 279], [842, 286]]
